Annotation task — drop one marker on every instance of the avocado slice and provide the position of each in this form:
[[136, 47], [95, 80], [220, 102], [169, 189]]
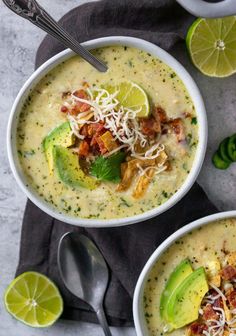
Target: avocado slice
[[185, 301], [182, 270], [61, 136], [68, 169]]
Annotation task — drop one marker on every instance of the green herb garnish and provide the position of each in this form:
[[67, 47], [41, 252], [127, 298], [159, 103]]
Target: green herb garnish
[[124, 202], [194, 121], [108, 169]]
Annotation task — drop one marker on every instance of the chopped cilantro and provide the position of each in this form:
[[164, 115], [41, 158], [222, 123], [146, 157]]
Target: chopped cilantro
[[194, 121], [124, 202], [130, 63], [189, 138], [164, 194], [108, 169]]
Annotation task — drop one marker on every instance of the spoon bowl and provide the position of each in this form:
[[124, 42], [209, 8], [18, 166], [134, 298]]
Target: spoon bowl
[[84, 272]]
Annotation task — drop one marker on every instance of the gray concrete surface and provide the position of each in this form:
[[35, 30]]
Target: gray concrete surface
[[18, 43]]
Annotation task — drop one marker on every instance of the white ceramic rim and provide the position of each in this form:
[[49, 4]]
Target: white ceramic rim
[[64, 55], [139, 319]]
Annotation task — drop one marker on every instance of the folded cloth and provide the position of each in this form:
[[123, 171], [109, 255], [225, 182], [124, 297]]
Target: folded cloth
[[125, 249]]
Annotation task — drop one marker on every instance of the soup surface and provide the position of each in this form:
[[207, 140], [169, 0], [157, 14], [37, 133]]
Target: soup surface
[[42, 113], [207, 246]]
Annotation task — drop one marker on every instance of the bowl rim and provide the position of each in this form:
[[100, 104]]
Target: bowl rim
[[139, 321], [92, 44]]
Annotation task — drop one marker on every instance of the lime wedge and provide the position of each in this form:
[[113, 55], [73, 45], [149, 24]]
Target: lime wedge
[[34, 300], [132, 96], [212, 46]]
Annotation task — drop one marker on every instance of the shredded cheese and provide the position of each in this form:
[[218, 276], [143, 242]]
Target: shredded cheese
[[218, 291], [144, 171], [119, 120], [217, 327]]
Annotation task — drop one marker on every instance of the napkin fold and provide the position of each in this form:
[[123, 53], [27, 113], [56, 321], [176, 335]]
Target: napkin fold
[[125, 249]]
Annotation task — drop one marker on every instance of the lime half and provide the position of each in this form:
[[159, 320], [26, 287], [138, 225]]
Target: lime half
[[34, 300], [132, 96], [212, 46]]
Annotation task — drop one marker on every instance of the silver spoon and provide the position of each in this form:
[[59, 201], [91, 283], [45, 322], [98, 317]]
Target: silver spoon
[[32, 11], [84, 272]]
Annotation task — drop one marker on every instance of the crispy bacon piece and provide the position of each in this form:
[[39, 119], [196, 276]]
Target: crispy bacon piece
[[232, 298], [209, 313], [64, 109], [218, 303], [160, 114], [178, 128], [150, 127], [85, 84], [84, 130], [94, 131], [81, 94], [228, 272], [231, 258], [79, 106], [101, 145], [91, 130], [196, 329], [83, 148], [65, 94]]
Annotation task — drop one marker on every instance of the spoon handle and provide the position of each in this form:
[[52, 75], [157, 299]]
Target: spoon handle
[[32, 11], [103, 321]]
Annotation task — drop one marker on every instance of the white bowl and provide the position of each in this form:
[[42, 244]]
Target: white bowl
[[138, 312], [64, 55]]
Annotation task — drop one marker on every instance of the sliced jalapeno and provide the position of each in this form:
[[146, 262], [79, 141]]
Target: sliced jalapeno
[[219, 162], [232, 147], [223, 150]]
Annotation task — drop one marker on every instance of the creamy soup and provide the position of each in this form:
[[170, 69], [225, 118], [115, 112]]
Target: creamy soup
[[212, 244], [42, 113]]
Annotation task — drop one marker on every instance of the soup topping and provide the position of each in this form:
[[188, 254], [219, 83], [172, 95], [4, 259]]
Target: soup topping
[[108, 137], [204, 299], [115, 136]]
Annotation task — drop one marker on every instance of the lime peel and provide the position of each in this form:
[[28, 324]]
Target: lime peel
[[34, 300], [212, 46], [131, 95]]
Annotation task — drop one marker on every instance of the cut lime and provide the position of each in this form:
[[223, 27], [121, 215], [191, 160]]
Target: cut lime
[[34, 300], [132, 96], [212, 46]]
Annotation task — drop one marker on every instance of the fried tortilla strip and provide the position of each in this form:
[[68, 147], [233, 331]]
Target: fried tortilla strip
[[188, 332], [108, 141], [145, 179], [213, 268], [228, 314], [231, 258], [86, 118], [161, 159], [143, 183], [128, 172]]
